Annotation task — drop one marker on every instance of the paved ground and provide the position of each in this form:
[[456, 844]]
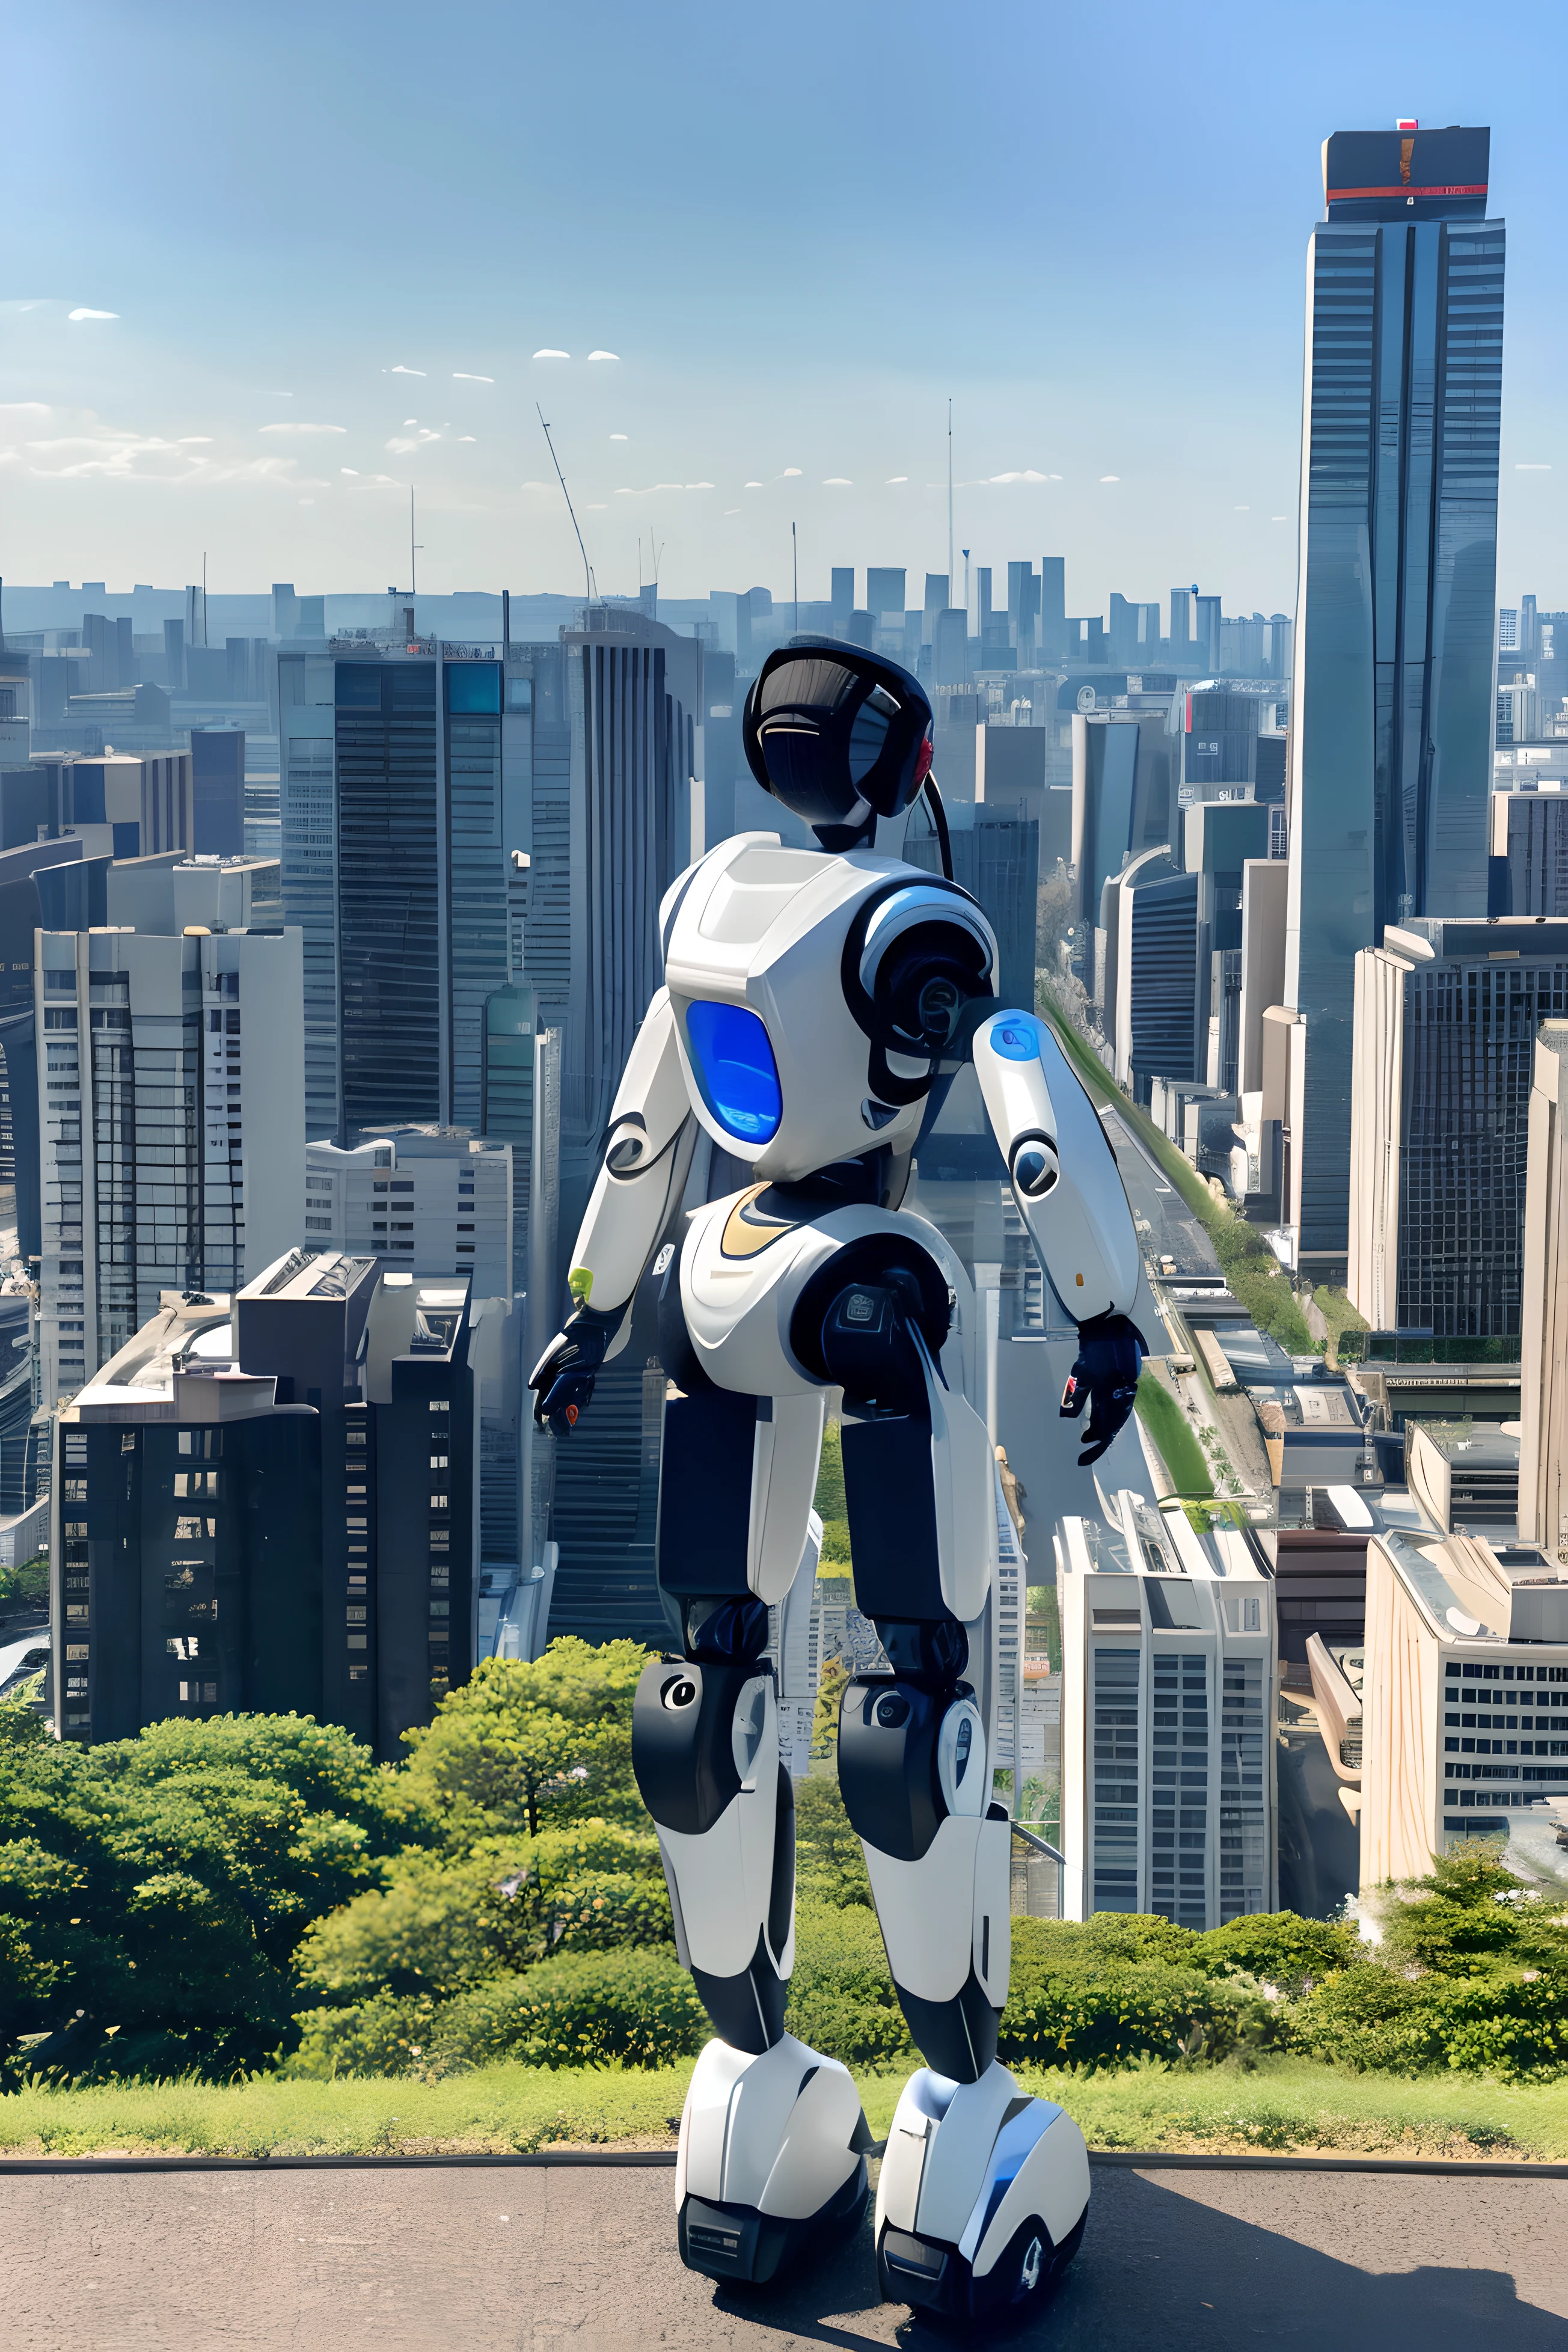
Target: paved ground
[[533, 2259]]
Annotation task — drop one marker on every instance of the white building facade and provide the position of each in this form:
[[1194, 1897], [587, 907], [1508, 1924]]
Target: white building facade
[[1169, 1649]]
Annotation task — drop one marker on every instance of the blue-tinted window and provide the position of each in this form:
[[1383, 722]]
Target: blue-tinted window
[[358, 685], [735, 1069], [473, 687]]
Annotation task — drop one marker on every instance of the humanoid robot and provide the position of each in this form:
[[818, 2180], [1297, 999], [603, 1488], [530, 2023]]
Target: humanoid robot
[[816, 1006]]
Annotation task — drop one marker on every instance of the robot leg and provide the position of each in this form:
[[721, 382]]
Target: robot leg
[[772, 2139], [983, 2192]]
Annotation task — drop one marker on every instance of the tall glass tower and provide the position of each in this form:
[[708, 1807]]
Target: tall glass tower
[[1392, 713]]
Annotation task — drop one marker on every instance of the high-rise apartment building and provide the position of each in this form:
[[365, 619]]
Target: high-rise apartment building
[[265, 1502], [172, 1142], [1392, 712], [1446, 1017], [1168, 1666]]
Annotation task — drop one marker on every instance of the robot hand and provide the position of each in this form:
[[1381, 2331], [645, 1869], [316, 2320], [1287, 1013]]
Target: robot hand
[[562, 1380], [1104, 1376]]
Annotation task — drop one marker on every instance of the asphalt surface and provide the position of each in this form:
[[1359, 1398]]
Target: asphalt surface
[[533, 2259]]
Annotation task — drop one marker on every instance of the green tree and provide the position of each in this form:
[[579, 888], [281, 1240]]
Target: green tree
[[441, 1922], [152, 1891], [520, 1746], [830, 1864]]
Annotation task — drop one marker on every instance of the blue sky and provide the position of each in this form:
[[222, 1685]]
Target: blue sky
[[799, 231]]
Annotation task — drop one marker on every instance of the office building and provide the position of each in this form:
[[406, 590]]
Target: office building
[[1543, 1340], [1392, 713], [1464, 1700], [995, 857], [396, 871], [1218, 840], [1147, 968], [1446, 1017], [264, 1503], [117, 805], [1168, 1664], [217, 790], [1125, 780], [172, 1143], [1529, 867]]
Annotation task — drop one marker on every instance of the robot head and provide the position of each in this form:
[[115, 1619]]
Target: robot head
[[838, 734]]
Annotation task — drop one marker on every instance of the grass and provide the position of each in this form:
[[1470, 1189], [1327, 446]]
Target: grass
[[1284, 2104], [1179, 1450], [1338, 1315]]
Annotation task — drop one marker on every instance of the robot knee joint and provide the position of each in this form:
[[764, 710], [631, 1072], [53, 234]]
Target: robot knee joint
[[908, 1758], [697, 1729]]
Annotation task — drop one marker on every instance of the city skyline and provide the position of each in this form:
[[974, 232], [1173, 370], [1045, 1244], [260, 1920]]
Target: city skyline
[[357, 300]]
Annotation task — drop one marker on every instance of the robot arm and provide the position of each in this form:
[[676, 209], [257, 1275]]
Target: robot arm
[[1069, 1193], [643, 1168]]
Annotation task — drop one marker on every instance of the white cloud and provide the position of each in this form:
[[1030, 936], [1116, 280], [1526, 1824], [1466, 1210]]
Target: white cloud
[[537, 486], [291, 426], [1241, 509], [400, 444], [307, 502], [729, 511], [1111, 477], [753, 485], [1526, 468], [74, 315], [195, 440], [350, 470], [405, 371], [1026, 474], [1279, 518], [411, 420], [699, 485], [468, 436], [598, 506], [789, 473], [837, 482], [548, 353], [618, 436], [265, 392], [896, 477], [604, 355], [24, 407], [461, 375]]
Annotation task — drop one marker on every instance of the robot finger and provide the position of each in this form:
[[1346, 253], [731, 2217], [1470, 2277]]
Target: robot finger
[[1075, 1396], [561, 1403]]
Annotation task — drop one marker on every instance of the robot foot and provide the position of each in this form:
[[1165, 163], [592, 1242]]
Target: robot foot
[[772, 2160], [983, 2197]]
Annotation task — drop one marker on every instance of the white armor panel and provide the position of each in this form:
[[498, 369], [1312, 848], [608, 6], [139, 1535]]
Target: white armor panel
[[763, 926]]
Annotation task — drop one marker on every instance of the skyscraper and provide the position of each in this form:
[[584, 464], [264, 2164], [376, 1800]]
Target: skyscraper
[[1392, 712]]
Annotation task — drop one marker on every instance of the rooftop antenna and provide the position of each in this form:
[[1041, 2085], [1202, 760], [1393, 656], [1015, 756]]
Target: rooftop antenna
[[950, 566], [794, 563], [587, 574], [965, 582], [415, 547]]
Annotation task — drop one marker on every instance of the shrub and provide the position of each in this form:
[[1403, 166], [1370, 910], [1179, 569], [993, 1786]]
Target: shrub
[[638, 2005], [1119, 1987], [1278, 1948], [841, 1996], [387, 2034]]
